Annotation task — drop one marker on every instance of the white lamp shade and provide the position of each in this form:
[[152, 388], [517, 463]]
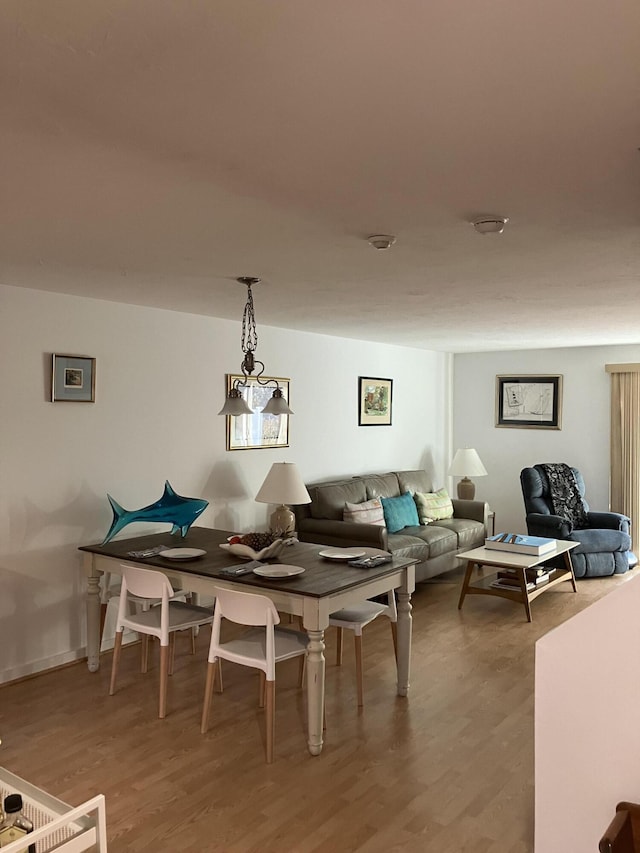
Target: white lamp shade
[[466, 463], [283, 485], [277, 405], [235, 405]]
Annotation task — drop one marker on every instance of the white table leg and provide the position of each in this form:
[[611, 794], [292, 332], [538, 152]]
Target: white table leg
[[93, 620], [404, 642], [315, 691]]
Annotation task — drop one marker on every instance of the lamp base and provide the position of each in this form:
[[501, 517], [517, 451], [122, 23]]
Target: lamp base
[[283, 521], [466, 489]]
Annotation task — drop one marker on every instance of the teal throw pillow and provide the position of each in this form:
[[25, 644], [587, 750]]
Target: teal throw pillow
[[400, 512]]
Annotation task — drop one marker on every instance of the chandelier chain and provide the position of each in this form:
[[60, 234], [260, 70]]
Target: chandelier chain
[[249, 341]]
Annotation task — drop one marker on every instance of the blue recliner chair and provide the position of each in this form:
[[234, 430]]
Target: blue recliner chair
[[605, 544]]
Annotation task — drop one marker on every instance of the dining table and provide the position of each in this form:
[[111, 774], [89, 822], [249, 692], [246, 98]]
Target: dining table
[[326, 585]]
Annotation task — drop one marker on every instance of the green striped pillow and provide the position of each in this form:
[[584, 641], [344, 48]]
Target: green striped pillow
[[433, 506]]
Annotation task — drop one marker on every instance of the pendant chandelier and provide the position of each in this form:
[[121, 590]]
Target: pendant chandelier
[[235, 403]]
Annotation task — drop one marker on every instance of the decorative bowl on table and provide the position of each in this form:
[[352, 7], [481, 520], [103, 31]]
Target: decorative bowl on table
[[254, 546]]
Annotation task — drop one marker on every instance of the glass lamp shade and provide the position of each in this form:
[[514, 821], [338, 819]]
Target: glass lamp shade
[[277, 405], [235, 404], [466, 463], [283, 485]]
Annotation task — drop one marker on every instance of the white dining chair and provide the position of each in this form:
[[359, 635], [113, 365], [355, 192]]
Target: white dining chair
[[111, 592], [159, 620], [260, 648], [355, 618]]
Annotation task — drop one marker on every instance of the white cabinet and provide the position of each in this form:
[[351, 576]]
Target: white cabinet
[[56, 826]]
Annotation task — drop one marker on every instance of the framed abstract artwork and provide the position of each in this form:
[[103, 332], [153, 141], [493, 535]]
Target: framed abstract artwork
[[73, 379], [374, 401], [530, 402], [256, 431]]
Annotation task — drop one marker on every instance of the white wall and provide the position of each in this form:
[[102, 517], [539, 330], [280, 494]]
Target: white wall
[[587, 741], [160, 383], [582, 442]]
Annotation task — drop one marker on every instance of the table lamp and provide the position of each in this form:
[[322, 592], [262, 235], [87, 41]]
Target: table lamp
[[466, 463], [283, 485]]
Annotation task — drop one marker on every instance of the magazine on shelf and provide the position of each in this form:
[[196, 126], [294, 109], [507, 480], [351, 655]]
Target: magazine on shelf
[[513, 580], [534, 575], [503, 584], [520, 544]]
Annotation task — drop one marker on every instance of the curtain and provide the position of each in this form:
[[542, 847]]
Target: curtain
[[625, 442]]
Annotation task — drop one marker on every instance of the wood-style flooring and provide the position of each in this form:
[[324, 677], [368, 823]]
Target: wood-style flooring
[[448, 769]]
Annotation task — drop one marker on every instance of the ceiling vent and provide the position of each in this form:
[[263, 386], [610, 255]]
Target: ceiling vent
[[381, 241], [490, 224]]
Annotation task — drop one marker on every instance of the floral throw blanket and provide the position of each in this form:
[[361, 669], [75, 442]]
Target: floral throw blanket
[[566, 499]]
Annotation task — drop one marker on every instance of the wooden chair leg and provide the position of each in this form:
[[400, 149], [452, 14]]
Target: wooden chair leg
[[271, 718], [262, 689], [164, 673], [394, 634], [339, 648], [359, 679], [208, 690], [103, 618], [193, 640], [144, 653], [172, 651], [115, 661], [220, 685]]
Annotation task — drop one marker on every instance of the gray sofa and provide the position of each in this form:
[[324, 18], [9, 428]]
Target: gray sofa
[[435, 544]]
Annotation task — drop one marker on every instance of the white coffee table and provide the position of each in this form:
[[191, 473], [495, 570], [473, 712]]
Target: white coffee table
[[482, 557]]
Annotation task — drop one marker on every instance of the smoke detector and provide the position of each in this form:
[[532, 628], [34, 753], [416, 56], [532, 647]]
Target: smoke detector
[[490, 224], [381, 241]]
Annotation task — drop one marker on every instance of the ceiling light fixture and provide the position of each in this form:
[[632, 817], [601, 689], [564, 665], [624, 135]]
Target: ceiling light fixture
[[381, 241], [235, 404], [490, 224]]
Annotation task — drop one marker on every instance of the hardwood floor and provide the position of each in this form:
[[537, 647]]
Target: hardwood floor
[[449, 769]]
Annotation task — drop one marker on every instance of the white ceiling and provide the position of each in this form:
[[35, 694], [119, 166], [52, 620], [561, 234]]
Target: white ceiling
[[152, 151]]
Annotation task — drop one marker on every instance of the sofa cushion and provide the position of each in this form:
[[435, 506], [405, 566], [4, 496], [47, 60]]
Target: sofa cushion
[[330, 499], [433, 506], [381, 486], [368, 512], [414, 481], [423, 542], [399, 512], [470, 533]]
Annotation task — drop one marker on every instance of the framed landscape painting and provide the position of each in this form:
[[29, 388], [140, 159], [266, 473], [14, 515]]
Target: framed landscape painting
[[252, 432], [374, 401], [531, 402]]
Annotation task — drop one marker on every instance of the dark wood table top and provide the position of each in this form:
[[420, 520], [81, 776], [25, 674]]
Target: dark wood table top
[[321, 576]]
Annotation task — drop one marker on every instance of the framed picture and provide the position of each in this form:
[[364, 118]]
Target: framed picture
[[252, 432], [531, 402], [73, 379], [374, 401]]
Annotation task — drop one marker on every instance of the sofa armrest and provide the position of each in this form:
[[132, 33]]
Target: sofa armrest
[[474, 510], [609, 521], [325, 531], [550, 526]]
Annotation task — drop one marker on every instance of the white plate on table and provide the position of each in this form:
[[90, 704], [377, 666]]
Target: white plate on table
[[275, 572], [342, 553], [182, 554]]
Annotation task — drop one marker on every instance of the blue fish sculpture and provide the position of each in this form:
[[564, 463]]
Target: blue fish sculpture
[[172, 508]]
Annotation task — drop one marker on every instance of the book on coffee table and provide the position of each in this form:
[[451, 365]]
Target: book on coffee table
[[533, 579], [520, 544]]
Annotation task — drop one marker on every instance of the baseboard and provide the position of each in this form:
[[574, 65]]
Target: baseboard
[[37, 667]]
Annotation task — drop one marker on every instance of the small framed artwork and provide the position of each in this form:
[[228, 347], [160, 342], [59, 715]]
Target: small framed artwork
[[530, 402], [73, 379], [256, 431], [374, 401]]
